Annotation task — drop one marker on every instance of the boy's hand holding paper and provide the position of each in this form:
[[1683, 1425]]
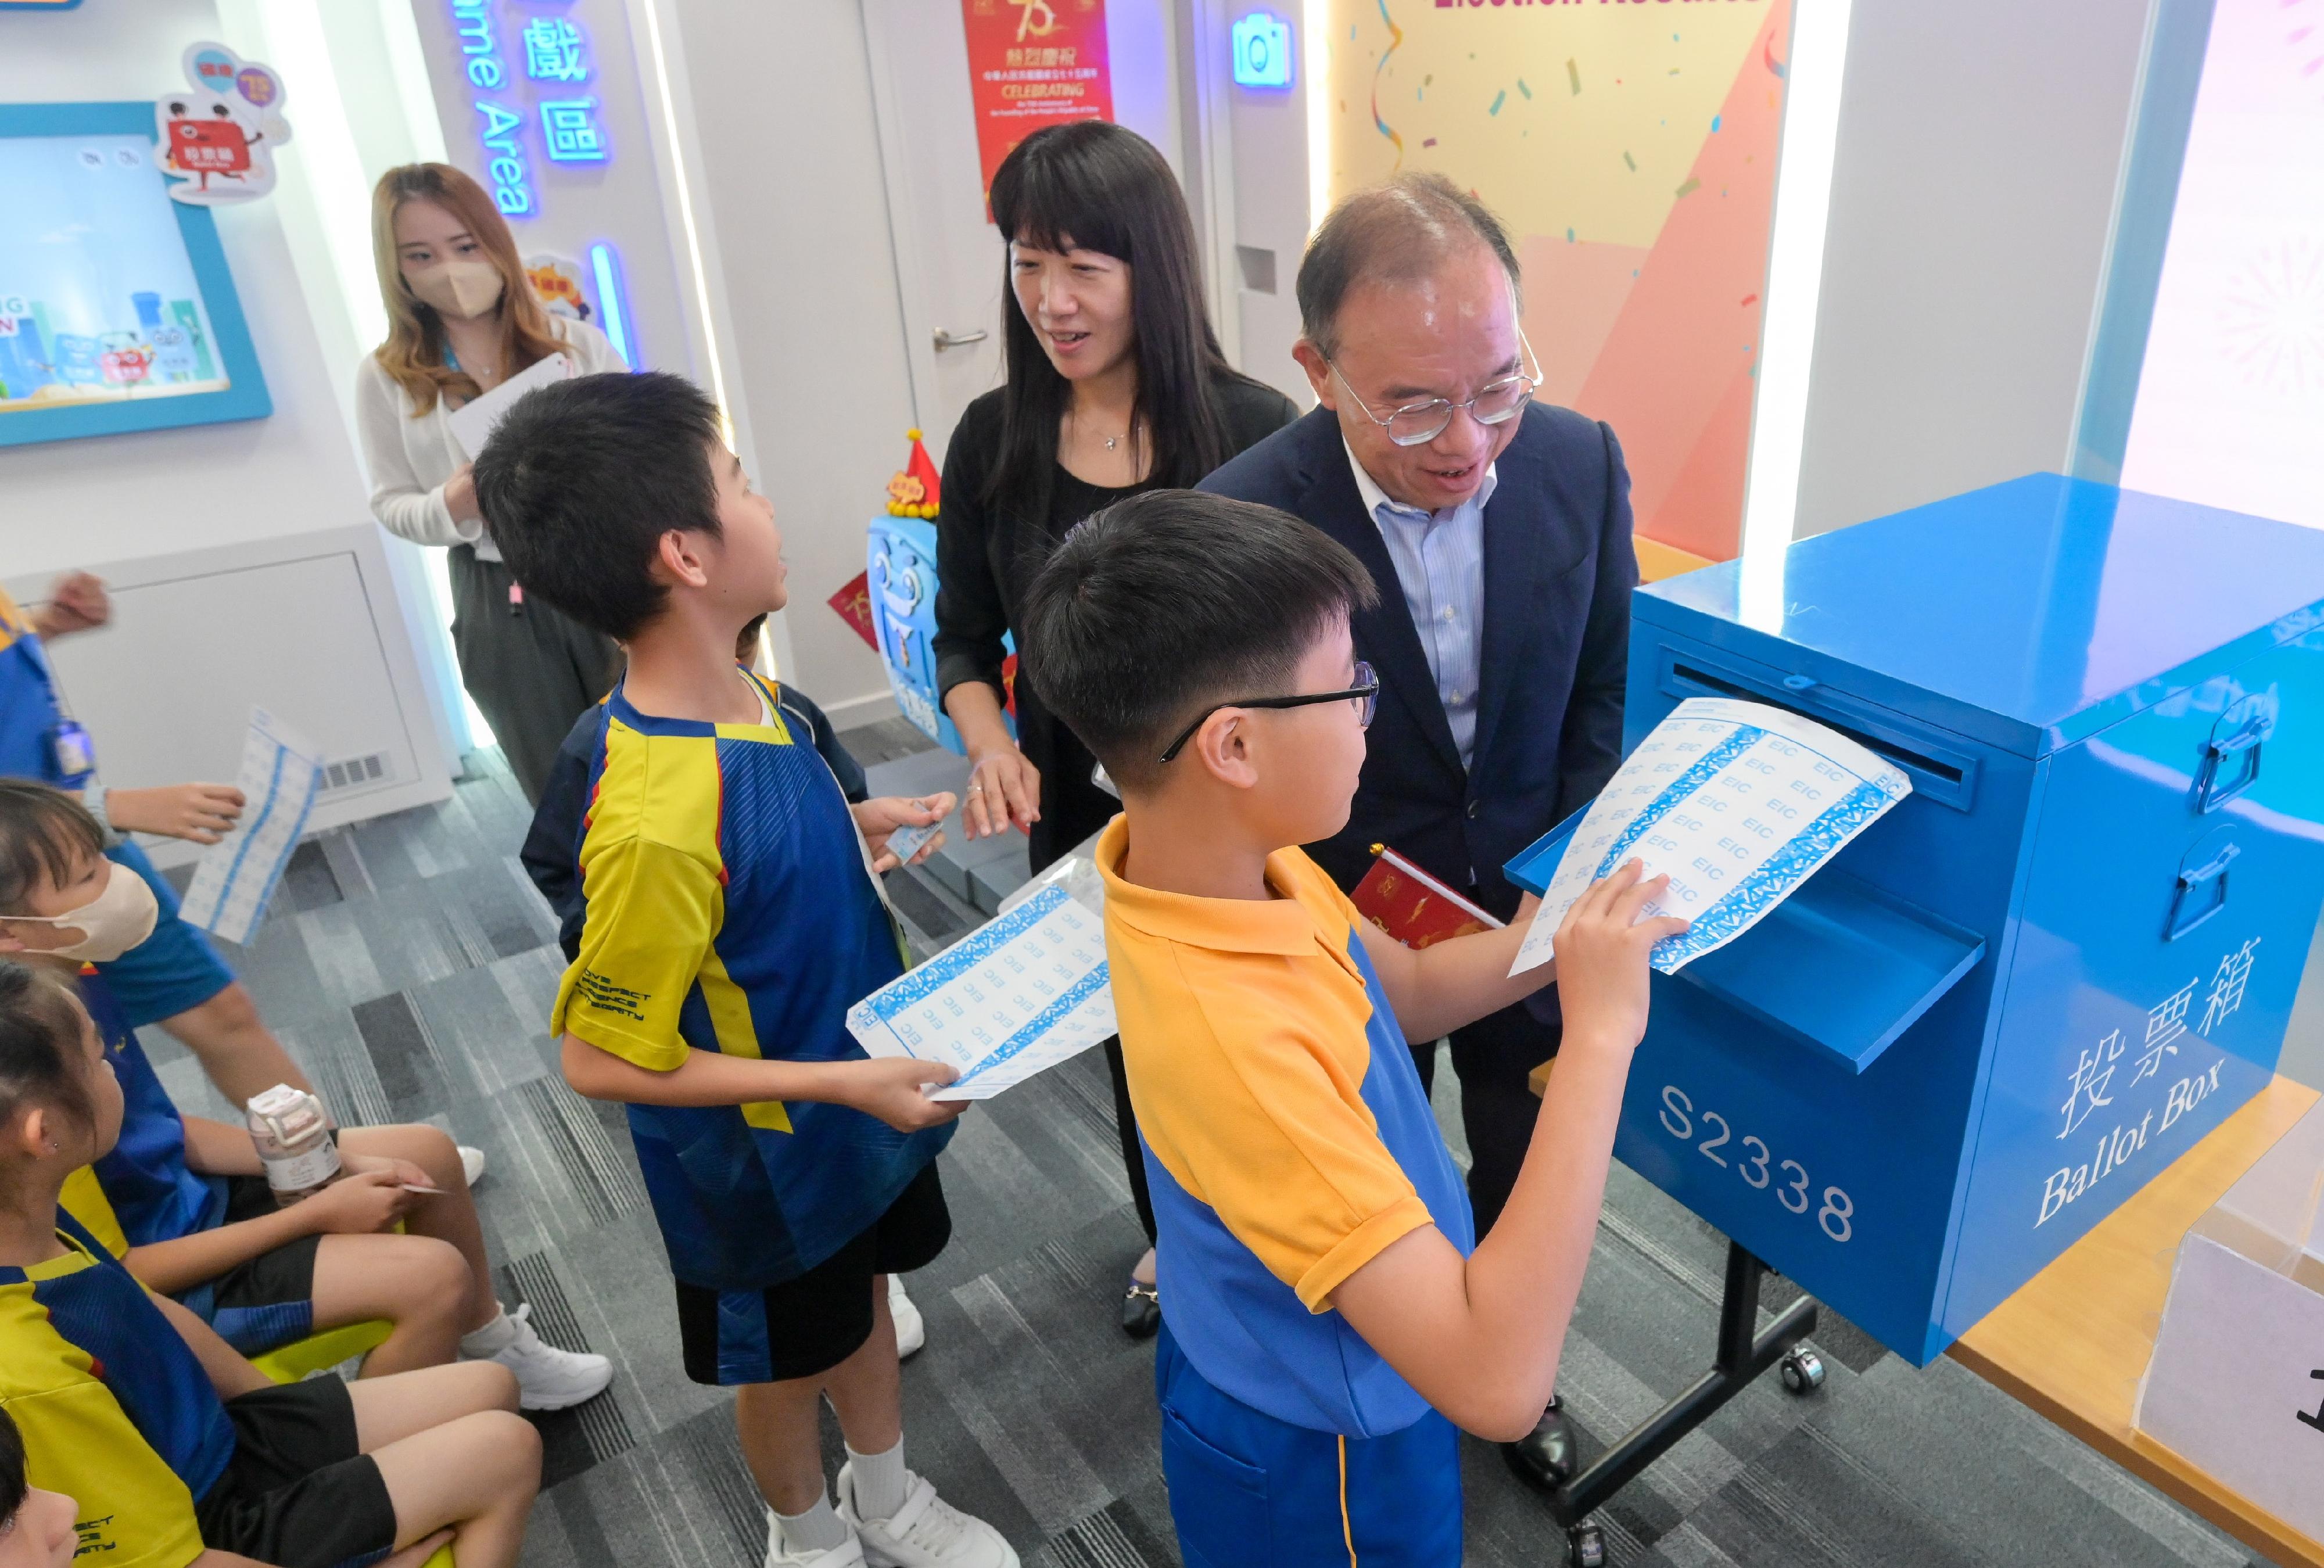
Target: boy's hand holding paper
[[1020, 993]]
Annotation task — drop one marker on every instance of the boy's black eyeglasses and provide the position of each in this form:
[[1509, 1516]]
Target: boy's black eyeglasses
[[1365, 694]]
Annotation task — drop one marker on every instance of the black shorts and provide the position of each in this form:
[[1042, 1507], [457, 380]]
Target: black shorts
[[299, 1491], [810, 1324], [270, 1300]]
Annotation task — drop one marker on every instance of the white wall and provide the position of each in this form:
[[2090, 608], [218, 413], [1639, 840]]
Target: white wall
[[114, 500], [815, 327], [1980, 146]]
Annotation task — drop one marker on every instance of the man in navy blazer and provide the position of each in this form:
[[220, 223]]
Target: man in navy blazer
[[1499, 530]]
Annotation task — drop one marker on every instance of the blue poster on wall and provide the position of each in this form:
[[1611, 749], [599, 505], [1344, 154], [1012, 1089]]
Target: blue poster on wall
[[118, 311]]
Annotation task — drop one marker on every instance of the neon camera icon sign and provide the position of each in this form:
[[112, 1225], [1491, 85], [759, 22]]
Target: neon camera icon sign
[[1262, 51]]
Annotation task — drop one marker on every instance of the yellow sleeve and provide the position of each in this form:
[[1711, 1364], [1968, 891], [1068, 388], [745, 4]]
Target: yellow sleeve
[[84, 1199], [133, 1511], [652, 912], [1257, 1116]]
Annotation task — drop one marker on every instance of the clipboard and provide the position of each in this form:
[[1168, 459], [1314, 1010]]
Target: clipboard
[[472, 422]]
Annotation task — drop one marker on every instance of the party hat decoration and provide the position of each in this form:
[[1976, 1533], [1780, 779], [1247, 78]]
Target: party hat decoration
[[914, 492]]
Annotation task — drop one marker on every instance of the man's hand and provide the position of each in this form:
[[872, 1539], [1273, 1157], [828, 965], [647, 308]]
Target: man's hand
[[76, 603], [881, 817], [893, 1089], [356, 1205], [200, 812], [1601, 957]]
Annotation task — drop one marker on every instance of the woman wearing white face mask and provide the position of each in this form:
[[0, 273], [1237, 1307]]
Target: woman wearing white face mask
[[462, 320]]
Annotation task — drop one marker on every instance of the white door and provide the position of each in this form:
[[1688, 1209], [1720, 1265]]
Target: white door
[[949, 260]]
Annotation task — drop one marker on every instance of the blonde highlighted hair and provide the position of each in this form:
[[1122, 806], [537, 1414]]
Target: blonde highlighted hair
[[413, 353]]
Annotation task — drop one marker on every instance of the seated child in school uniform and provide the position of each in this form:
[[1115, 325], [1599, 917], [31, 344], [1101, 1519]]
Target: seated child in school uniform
[[183, 1201], [732, 915], [174, 1449], [173, 976], [1331, 1319]]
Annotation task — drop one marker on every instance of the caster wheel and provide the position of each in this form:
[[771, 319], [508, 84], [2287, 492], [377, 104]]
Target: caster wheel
[[1585, 1546], [1803, 1371]]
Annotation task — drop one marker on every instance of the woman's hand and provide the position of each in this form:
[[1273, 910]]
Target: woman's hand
[[881, 817], [1004, 790], [460, 495], [200, 812]]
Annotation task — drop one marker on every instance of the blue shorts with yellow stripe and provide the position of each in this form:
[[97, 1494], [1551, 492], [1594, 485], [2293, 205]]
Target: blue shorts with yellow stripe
[[1247, 1487]]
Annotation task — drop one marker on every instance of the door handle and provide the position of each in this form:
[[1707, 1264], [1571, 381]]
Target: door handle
[[947, 339]]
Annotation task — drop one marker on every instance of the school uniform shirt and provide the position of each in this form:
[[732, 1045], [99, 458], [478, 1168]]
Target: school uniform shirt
[[729, 905], [115, 1410], [28, 699], [551, 843], [410, 459], [1286, 1135], [150, 1192]]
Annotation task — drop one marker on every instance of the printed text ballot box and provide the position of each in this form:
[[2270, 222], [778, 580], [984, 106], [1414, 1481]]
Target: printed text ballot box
[[2111, 709]]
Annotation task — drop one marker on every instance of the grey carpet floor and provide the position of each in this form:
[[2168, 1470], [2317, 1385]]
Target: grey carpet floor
[[410, 968]]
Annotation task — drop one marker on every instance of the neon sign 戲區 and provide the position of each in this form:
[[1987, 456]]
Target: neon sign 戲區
[[555, 50], [512, 180], [571, 132]]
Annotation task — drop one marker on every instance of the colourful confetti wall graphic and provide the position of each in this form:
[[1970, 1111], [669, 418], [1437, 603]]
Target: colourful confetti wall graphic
[[1638, 198]]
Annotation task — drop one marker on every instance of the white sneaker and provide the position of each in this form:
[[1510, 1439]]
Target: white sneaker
[[848, 1553], [911, 1328], [547, 1377], [927, 1532], [472, 1164]]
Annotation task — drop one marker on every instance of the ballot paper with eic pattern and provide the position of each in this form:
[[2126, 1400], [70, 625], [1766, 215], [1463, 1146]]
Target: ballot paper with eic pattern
[[1020, 994], [1739, 803]]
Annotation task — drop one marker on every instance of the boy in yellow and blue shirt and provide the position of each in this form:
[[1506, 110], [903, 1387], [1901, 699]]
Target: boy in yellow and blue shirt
[[731, 916], [1329, 1319]]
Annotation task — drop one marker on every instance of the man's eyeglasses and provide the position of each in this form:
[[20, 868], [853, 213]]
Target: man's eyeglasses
[[1415, 423], [1364, 694]]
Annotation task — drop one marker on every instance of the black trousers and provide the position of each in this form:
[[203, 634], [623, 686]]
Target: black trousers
[[1125, 1123], [533, 670], [1493, 1058]]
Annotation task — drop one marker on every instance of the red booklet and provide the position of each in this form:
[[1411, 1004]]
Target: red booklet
[[1412, 906]]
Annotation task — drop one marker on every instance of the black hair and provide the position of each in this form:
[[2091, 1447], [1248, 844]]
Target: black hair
[[44, 834], [14, 1482], [1398, 231], [749, 636], [39, 1045], [583, 477], [1103, 187], [1173, 600]]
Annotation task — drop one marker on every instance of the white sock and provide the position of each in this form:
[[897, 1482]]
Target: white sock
[[481, 1343], [819, 1529], [878, 1481]]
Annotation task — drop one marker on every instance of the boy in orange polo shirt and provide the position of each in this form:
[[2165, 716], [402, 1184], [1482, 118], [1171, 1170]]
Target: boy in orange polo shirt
[[1329, 1319]]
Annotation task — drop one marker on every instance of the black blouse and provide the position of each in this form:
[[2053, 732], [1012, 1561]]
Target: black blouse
[[986, 557]]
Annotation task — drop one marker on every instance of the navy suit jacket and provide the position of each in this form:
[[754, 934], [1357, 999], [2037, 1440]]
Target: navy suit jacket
[[1559, 568]]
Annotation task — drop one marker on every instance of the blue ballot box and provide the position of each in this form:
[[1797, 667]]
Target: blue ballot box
[[901, 568], [2065, 958]]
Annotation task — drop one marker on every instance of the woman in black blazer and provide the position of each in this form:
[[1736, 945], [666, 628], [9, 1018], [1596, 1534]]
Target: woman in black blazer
[[1116, 384]]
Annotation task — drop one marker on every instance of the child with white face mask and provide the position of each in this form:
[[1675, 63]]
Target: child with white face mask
[[181, 1200], [461, 318]]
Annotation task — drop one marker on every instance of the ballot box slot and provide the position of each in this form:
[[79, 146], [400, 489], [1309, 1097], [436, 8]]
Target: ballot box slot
[[1841, 968], [1939, 774]]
